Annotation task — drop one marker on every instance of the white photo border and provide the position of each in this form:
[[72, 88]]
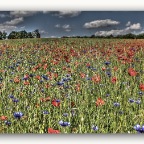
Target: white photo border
[[81, 5]]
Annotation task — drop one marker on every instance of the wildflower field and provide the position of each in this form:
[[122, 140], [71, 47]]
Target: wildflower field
[[72, 85]]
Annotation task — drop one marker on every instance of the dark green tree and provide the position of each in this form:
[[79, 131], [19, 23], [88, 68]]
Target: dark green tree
[[37, 34]]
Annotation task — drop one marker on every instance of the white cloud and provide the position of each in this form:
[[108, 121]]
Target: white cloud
[[14, 21], [66, 27], [43, 32], [128, 23], [57, 25], [22, 13], [100, 23], [135, 26], [130, 29], [111, 32], [62, 14], [7, 28]]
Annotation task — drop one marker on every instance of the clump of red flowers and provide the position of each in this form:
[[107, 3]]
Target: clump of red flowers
[[52, 131], [100, 102], [141, 87], [56, 103], [132, 72], [114, 80]]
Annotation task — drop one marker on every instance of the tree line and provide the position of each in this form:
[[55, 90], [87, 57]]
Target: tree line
[[126, 36], [20, 34]]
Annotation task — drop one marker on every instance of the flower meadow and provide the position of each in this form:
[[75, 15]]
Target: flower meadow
[[72, 85]]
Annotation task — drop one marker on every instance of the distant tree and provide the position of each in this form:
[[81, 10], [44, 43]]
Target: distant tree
[[140, 36], [129, 36], [4, 35], [23, 34], [29, 35], [37, 34], [92, 36], [1, 35], [12, 35]]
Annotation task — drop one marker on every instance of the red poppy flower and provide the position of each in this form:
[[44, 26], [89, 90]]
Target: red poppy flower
[[141, 87], [16, 80], [26, 82], [113, 80], [3, 118], [103, 68], [96, 78], [100, 102], [132, 72], [55, 103], [52, 131], [38, 77], [82, 75]]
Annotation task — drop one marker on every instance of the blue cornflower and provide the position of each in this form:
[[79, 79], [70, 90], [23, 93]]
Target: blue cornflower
[[42, 90], [18, 115], [107, 95], [11, 96], [93, 69], [41, 81], [60, 83], [65, 114], [108, 73], [64, 79], [1, 79], [12, 73], [15, 100], [140, 93], [11, 80], [8, 123], [25, 78], [45, 77], [142, 128], [95, 128], [139, 129], [62, 123], [131, 100], [57, 100], [31, 75], [138, 101], [116, 104], [45, 112], [107, 63]]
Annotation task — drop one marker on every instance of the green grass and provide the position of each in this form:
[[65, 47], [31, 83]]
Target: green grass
[[31, 52]]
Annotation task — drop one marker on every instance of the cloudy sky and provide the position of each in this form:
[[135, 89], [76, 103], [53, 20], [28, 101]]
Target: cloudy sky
[[73, 23]]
